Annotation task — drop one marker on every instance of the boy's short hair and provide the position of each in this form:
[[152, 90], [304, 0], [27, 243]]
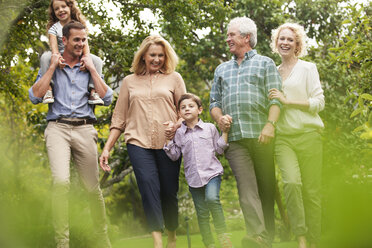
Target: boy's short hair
[[191, 96]]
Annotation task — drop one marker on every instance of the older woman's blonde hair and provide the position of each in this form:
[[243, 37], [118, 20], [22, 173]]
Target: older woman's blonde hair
[[170, 60], [300, 37]]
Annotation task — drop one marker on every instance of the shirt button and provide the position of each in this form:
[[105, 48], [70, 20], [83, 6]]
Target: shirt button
[[73, 81]]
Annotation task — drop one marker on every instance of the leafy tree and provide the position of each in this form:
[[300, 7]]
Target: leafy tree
[[353, 55]]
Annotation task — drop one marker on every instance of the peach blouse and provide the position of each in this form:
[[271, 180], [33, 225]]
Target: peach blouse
[[144, 104]]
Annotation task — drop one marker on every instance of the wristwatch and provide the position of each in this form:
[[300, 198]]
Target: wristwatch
[[272, 123]]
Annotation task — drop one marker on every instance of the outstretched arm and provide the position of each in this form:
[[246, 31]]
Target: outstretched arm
[[171, 148]]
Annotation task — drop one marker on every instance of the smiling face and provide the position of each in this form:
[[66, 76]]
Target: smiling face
[[190, 111], [154, 58], [75, 43], [238, 44], [62, 11], [287, 43]]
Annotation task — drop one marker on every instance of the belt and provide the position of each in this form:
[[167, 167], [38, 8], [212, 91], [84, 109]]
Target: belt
[[75, 123]]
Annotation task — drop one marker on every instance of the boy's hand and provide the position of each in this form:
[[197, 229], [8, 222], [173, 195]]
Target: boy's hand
[[224, 122], [170, 130]]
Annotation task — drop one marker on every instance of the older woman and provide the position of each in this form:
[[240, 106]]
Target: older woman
[[298, 145], [148, 99]]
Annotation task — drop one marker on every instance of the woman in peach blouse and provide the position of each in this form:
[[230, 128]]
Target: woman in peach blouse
[[148, 99]]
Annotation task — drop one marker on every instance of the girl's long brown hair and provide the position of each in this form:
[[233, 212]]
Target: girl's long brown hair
[[76, 14]]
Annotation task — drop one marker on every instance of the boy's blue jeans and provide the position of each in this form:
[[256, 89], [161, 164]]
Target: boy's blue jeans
[[206, 201]]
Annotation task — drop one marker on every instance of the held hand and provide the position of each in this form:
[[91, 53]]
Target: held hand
[[103, 161], [277, 94], [267, 134], [86, 63], [170, 130], [224, 123]]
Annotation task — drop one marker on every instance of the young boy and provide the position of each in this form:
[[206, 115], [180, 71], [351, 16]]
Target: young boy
[[198, 142]]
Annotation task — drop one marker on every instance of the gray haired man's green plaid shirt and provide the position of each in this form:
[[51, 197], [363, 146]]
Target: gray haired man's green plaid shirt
[[242, 91]]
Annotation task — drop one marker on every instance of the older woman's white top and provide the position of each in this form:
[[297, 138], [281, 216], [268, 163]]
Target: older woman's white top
[[302, 84]]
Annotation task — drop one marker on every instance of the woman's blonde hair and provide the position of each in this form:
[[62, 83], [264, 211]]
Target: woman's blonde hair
[[75, 13], [300, 37], [170, 60]]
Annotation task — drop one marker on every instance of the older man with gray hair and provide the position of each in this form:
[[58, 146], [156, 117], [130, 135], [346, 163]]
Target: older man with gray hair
[[239, 101]]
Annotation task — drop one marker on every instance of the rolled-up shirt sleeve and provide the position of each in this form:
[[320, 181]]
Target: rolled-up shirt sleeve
[[215, 99], [315, 91], [119, 117], [107, 99], [31, 96]]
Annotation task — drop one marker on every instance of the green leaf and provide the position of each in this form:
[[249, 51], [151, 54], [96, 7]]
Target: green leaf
[[358, 129], [366, 96], [356, 112]]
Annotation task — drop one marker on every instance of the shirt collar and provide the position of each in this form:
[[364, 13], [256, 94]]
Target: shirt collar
[[78, 64], [160, 71], [184, 128], [248, 55]]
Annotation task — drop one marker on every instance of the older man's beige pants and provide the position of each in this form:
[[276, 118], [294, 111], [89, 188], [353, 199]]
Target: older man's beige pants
[[64, 142]]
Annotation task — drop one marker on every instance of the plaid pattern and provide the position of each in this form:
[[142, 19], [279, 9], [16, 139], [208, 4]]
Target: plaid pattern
[[242, 92]]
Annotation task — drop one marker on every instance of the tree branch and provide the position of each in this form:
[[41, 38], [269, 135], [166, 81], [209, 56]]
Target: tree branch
[[138, 5], [118, 178]]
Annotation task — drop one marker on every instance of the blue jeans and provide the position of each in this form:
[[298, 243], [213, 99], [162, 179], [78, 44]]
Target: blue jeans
[[157, 180], [207, 200]]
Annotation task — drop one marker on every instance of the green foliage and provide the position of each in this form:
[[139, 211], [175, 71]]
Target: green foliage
[[354, 53], [352, 56]]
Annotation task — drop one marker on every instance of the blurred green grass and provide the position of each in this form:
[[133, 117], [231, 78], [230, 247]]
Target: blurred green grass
[[196, 241]]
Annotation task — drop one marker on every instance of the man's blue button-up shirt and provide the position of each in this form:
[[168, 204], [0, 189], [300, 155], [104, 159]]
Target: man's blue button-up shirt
[[71, 94]]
